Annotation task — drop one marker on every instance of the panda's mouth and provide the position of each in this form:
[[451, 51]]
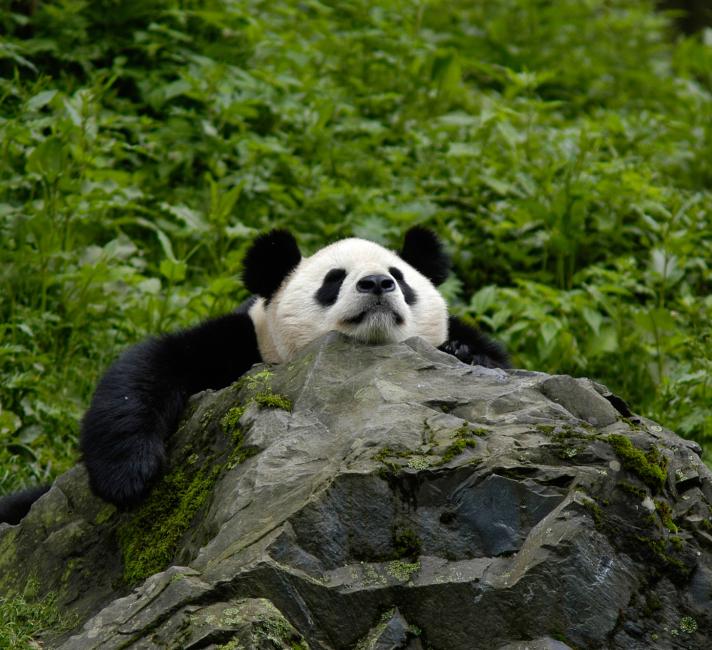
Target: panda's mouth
[[375, 311]]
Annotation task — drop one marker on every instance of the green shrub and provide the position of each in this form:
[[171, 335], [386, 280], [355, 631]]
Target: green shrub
[[563, 149]]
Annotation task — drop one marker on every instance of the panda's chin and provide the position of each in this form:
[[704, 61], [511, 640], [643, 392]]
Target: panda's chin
[[379, 323]]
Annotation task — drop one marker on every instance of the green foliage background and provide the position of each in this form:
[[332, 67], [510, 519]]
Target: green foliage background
[[562, 149]]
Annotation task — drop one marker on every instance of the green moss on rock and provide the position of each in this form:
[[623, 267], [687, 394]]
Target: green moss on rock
[[240, 452], [105, 514], [567, 433], [652, 606], [662, 553], [646, 537], [456, 448], [392, 467], [665, 512], [546, 429], [596, 513], [406, 543], [233, 644], [230, 422], [261, 380], [634, 490], [650, 466], [465, 437], [416, 460], [388, 452], [149, 538], [272, 400]]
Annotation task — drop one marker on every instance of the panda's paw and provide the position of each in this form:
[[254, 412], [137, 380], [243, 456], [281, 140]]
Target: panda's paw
[[125, 480], [462, 351], [486, 353]]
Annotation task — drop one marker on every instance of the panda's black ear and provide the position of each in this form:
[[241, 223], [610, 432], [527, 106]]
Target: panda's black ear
[[270, 259], [425, 252]]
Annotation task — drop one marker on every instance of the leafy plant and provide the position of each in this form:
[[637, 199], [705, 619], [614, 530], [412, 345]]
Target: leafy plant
[[562, 149]]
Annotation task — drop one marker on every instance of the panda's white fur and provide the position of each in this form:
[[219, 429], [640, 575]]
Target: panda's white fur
[[292, 317]]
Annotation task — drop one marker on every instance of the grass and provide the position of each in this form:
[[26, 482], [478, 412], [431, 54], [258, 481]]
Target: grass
[[563, 150], [26, 617]]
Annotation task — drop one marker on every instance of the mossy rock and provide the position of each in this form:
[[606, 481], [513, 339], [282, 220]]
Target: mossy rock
[[402, 498]]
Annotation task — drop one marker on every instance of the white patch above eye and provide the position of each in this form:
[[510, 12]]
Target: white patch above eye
[[293, 318]]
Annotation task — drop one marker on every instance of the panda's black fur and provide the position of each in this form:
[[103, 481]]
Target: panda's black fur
[[141, 396]]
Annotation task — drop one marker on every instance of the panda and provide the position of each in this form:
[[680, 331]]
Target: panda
[[352, 286]]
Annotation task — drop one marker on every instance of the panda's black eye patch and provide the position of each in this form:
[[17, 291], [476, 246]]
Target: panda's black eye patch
[[408, 294], [329, 290]]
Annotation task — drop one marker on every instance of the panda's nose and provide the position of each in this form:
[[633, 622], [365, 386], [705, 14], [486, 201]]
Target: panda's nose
[[376, 284]]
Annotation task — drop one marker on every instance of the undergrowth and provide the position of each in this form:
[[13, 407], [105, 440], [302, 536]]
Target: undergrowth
[[563, 150], [26, 617]]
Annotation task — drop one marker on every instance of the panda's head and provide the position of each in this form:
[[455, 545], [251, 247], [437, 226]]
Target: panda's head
[[353, 286]]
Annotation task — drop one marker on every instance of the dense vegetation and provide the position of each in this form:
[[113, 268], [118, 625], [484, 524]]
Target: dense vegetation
[[563, 149]]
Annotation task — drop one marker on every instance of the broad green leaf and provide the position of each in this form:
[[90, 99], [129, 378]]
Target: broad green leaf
[[9, 423], [483, 300], [603, 342], [166, 245], [173, 270], [463, 149], [49, 158], [191, 218], [41, 99], [593, 318], [549, 330], [459, 119], [150, 286]]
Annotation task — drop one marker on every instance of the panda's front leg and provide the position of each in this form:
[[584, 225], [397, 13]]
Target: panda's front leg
[[142, 395], [473, 347]]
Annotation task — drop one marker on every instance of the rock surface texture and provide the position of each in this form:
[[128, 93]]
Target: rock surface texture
[[405, 501]]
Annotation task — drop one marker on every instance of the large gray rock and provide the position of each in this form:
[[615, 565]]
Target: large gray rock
[[406, 501]]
